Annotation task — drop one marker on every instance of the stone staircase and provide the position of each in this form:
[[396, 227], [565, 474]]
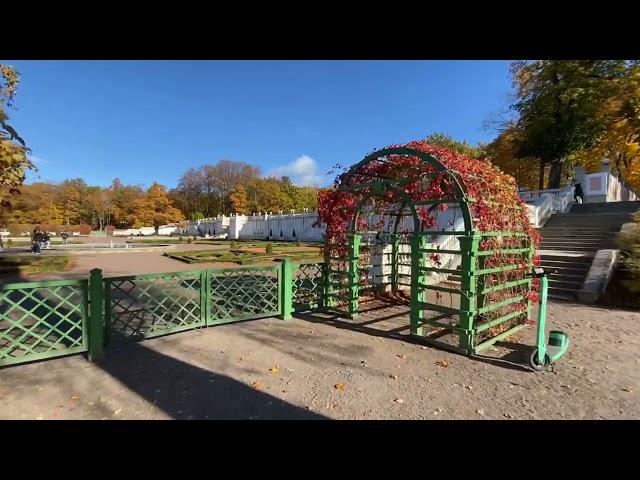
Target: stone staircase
[[570, 241]]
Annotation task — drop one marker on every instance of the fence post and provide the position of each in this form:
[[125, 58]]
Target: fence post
[[418, 284], [354, 275], [286, 288], [96, 325], [469, 246], [205, 293]]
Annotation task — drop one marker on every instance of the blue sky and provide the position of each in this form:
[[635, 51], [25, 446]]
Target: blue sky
[[142, 121]]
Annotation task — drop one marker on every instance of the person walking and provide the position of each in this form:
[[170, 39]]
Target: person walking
[[65, 237], [46, 239], [36, 246], [578, 194]]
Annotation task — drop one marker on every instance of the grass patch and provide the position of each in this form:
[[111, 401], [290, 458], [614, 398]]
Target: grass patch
[[238, 257], [33, 264], [27, 242], [619, 293]]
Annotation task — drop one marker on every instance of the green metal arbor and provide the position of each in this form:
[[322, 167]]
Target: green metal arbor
[[486, 304]]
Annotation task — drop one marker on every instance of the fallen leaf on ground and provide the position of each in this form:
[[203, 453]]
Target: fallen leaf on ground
[[401, 356], [399, 400], [258, 385], [116, 412], [274, 370], [627, 390], [395, 377], [75, 397], [442, 363], [339, 386], [290, 370], [480, 411]]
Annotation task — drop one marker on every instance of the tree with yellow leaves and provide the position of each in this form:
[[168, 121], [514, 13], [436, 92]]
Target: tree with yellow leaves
[[13, 150], [155, 209], [239, 201]]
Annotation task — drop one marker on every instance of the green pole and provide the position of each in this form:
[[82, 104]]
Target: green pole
[[354, 274], [327, 293], [469, 283], [286, 288], [204, 297], [96, 325], [418, 282], [530, 282], [395, 248]]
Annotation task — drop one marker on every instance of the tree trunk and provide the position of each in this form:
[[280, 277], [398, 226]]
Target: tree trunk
[[555, 175], [541, 176]]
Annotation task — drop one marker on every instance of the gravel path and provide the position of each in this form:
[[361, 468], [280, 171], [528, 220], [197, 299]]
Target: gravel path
[[320, 367]]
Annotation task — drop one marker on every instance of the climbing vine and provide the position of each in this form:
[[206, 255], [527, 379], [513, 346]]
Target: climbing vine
[[492, 195]]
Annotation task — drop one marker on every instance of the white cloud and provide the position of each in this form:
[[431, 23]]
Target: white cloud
[[302, 171]]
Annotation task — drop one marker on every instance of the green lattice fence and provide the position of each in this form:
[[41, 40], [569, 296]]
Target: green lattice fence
[[41, 320], [48, 319], [237, 294], [145, 306], [308, 285]]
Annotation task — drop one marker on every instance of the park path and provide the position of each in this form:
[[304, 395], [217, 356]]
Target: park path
[[321, 366]]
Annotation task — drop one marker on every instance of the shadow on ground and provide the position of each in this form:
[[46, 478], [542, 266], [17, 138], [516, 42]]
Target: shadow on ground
[[184, 391], [515, 359]]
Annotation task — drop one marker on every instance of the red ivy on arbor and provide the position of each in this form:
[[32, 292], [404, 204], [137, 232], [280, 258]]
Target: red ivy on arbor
[[494, 201], [495, 204]]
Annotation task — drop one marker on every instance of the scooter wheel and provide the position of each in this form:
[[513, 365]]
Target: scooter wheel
[[533, 361]]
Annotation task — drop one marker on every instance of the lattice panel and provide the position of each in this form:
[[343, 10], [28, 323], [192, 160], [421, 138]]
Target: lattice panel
[[42, 322], [243, 294], [308, 284], [143, 308]]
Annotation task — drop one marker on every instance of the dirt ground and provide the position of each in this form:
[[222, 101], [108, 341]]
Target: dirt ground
[[323, 367]]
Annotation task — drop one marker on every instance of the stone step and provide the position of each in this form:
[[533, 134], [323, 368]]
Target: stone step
[[571, 234], [571, 242], [564, 265], [562, 295], [572, 275], [589, 228], [572, 248], [565, 284]]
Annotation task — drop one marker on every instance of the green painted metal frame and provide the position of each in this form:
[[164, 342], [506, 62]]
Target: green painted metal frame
[[98, 306], [52, 302], [474, 294]]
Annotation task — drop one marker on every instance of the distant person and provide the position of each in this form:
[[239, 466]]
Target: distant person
[[36, 241], [35, 237], [578, 194], [46, 239], [1, 242], [65, 237]]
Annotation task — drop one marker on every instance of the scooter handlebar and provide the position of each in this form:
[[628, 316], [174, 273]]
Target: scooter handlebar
[[541, 272]]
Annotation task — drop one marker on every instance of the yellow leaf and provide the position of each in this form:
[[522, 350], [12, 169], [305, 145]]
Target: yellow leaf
[[258, 385], [442, 363], [339, 386], [274, 370]]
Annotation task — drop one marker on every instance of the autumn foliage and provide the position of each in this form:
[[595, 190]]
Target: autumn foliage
[[494, 203]]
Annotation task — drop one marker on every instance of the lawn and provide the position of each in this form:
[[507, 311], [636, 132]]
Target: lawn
[[33, 264], [249, 255]]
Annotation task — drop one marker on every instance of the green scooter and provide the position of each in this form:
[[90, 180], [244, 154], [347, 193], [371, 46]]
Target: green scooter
[[546, 354]]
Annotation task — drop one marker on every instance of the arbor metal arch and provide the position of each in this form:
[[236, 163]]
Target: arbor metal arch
[[379, 186], [470, 317]]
